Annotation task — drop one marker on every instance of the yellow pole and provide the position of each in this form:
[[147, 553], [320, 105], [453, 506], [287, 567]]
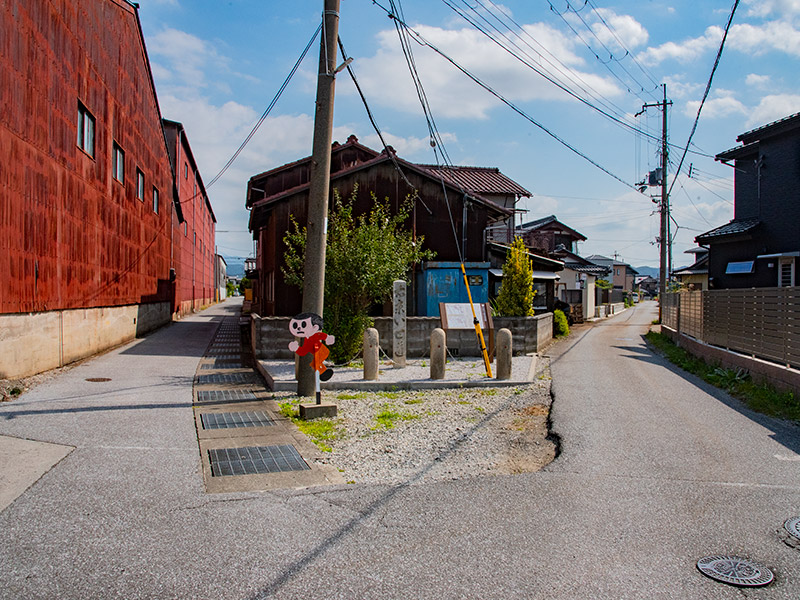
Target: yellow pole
[[477, 325]]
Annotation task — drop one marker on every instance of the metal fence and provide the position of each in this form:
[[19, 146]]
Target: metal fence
[[760, 322]]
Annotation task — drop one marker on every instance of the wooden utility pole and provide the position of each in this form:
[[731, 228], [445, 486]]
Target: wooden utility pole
[[664, 263], [664, 239], [317, 225]]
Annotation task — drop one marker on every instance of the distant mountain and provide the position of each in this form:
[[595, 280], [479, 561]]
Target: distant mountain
[[235, 266], [651, 271]]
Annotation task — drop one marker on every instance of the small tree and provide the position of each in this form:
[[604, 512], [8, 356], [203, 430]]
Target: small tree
[[245, 284], [516, 292], [364, 256]]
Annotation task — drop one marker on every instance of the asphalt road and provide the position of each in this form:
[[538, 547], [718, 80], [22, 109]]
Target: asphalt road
[[656, 470]]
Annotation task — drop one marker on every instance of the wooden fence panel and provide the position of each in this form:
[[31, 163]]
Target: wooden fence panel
[[760, 322]]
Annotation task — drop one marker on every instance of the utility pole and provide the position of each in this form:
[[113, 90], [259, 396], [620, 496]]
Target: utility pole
[[665, 246], [317, 226]]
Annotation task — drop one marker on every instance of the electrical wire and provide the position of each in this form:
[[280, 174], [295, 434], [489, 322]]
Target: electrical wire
[[265, 113], [705, 94], [423, 42]]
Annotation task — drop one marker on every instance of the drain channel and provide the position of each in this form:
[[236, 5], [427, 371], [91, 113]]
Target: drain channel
[[254, 460]]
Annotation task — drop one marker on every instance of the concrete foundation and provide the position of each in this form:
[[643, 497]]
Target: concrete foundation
[[36, 342], [317, 411]]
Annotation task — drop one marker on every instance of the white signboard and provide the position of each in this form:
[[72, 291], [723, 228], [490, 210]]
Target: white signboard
[[459, 316]]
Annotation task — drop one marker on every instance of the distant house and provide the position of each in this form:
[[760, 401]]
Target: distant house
[[277, 194], [547, 234], [761, 245], [695, 276], [622, 274], [88, 207], [577, 284], [646, 284], [195, 236]]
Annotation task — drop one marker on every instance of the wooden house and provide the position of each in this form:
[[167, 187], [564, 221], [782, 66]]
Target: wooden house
[[275, 195]]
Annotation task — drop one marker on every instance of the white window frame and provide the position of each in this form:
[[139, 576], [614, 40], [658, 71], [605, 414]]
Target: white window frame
[[790, 262], [118, 162], [86, 128], [139, 185]]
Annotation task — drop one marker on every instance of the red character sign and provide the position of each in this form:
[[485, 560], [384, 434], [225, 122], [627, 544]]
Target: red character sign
[[309, 327]]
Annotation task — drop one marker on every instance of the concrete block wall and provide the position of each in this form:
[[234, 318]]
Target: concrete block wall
[[36, 342], [270, 335]]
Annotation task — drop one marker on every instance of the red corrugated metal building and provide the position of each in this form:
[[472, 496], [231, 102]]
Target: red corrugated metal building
[[194, 248], [88, 209]]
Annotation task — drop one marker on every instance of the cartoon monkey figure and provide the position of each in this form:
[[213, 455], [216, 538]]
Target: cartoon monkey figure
[[309, 327]]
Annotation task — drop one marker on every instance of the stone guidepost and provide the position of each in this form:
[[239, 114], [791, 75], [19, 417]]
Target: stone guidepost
[[399, 329], [438, 353], [371, 347], [504, 353]]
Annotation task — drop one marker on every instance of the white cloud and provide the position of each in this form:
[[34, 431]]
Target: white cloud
[[772, 108], [764, 8], [629, 31], [678, 88], [774, 35], [755, 80], [386, 80], [723, 105], [684, 51]]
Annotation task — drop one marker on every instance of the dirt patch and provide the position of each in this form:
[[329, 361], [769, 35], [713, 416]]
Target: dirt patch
[[527, 447]]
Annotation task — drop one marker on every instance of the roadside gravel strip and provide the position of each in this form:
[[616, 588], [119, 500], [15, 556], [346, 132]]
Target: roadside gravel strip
[[429, 435]]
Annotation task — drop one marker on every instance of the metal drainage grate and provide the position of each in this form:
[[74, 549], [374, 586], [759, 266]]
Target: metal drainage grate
[[255, 460], [234, 420], [227, 378], [219, 357], [98, 379], [223, 364], [735, 571], [224, 395]]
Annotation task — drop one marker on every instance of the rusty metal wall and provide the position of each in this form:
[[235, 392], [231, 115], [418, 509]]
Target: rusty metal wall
[[70, 235]]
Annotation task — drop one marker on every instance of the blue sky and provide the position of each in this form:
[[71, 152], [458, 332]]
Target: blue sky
[[217, 65]]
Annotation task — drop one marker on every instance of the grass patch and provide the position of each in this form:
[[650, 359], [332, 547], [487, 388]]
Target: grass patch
[[356, 396], [388, 416], [389, 395], [319, 431], [413, 401], [760, 397]]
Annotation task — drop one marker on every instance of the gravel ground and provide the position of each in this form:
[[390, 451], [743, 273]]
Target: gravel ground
[[434, 435]]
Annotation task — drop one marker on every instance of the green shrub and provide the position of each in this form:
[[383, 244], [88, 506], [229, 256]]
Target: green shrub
[[560, 324], [516, 292]]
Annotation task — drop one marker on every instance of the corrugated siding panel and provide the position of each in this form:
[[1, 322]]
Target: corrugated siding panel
[[70, 235]]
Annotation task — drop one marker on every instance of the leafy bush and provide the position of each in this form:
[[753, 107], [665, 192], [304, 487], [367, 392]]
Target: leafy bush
[[516, 292], [364, 256], [560, 324]]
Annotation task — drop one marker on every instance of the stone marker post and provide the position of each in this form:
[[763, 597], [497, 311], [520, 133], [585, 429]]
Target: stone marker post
[[438, 353], [504, 353], [371, 345], [399, 332]]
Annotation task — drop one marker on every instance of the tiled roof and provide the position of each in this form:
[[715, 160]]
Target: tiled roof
[[735, 227], [755, 134], [479, 180], [581, 268]]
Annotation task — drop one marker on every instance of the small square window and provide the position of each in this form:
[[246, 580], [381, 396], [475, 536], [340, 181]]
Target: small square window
[[155, 200], [85, 130], [140, 185], [118, 163]]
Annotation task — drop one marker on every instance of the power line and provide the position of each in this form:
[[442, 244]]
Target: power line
[[708, 88], [266, 112], [422, 41]]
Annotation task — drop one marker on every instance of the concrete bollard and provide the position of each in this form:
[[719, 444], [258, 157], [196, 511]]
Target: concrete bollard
[[438, 353], [371, 346], [504, 353]]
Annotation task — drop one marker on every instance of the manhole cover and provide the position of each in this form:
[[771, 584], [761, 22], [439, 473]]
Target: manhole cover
[[735, 570], [792, 527], [98, 379], [255, 460], [233, 420]]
